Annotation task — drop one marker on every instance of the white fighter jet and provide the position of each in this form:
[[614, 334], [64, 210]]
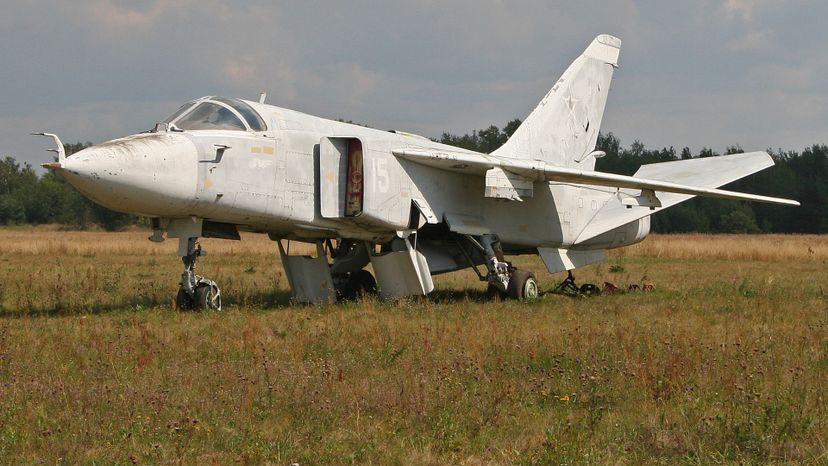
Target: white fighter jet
[[406, 205]]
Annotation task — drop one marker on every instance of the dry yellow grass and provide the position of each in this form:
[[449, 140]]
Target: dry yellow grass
[[49, 240], [732, 247], [39, 241], [725, 363]]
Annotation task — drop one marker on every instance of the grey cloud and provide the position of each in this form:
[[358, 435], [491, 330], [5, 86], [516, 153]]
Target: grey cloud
[[692, 73]]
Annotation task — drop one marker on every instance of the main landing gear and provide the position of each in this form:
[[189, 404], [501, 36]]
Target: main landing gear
[[354, 285], [351, 280], [196, 292], [504, 279]]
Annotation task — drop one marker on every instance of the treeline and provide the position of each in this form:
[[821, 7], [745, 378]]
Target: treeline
[[26, 197]]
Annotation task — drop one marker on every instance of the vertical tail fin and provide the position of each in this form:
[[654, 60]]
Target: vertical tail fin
[[563, 128]]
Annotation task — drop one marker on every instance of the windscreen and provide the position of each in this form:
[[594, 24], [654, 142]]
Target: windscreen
[[253, 119], [178, 113], [210, 116]]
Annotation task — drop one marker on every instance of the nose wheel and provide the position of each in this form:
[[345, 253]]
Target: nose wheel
[[504, 279], [523, 285], [194, 291]]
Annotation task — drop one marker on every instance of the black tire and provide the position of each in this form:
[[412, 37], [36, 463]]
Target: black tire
[[357, 285], [521, 282], [360, 283], [342, 286], [589, 289], [206, 298], [183, 301]]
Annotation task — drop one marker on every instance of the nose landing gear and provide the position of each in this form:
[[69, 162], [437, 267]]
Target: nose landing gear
[[523, 285], [504, 279], [196, 292]]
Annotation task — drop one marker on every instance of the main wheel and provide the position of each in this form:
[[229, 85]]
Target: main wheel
[[523, 285], [183, 301], [356, 285], [362, 282], [208, 297]]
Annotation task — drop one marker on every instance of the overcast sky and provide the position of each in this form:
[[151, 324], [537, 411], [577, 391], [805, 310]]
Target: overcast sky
[[706, 72]]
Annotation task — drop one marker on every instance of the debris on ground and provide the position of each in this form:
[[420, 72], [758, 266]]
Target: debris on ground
[[568, 287]]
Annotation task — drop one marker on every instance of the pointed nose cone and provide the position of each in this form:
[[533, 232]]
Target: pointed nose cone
[[147, 174]]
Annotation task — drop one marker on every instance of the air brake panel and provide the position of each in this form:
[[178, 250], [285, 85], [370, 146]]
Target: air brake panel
[[340, 177]]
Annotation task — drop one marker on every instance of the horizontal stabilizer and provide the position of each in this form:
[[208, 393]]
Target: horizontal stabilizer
[[704, 173], [653, 179]]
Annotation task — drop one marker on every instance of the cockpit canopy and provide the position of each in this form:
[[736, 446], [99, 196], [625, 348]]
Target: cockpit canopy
[[216, 113]]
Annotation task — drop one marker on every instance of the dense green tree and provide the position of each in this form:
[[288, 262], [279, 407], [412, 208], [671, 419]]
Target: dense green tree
[[13, 176], [707, 152], [12, 210], [511, 127], [15, 181], [738, 221], [484, 140], [734, 149]]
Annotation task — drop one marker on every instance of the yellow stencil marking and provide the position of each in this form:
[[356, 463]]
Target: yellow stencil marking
[[267, 150], [256, 150], [207, 183]]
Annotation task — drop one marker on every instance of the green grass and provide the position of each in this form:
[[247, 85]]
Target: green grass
[[726, 362]]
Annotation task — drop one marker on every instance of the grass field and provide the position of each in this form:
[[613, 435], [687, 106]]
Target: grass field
[[725, 362]]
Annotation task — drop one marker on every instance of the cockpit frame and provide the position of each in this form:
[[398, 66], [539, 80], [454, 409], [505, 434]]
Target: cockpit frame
[[250, 119]]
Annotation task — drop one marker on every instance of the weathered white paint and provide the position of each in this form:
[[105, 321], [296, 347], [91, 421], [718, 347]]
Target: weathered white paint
[[561, 260]]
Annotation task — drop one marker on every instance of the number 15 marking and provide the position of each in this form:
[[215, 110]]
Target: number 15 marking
[[381, 178]]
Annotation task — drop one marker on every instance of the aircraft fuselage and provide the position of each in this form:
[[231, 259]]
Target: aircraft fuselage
[[277, 181]]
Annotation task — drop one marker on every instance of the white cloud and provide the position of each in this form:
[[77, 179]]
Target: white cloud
[[243, 68], [752, 41], [743, 9], [784, 76], [124, 19], [364, 82], [799, 107]]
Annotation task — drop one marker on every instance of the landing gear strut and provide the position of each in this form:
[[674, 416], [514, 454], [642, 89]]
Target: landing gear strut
[[569, 287], [194, 291], [504, 279]]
